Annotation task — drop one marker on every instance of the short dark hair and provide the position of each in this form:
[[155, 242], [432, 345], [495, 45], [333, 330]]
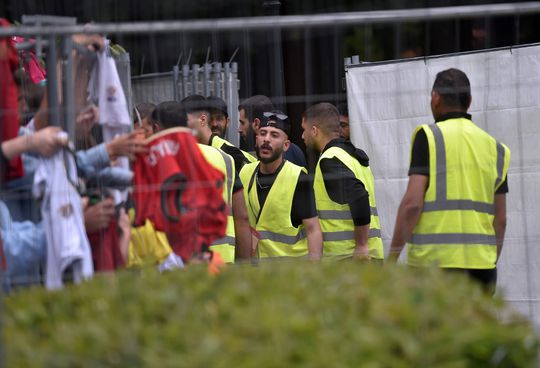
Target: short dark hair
[[216, 105], [256, 106], [343, 109], [195, 103], [454, 88], [144, 109], [325, 115], [170, 114]]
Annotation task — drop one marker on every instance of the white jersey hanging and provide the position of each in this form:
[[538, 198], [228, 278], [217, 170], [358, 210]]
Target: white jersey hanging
[[105, 87], [63, 220]]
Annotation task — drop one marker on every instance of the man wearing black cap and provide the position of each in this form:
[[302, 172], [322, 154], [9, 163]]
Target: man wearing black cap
[[279, 196], [219, 116], [198, 110], [251, 113]]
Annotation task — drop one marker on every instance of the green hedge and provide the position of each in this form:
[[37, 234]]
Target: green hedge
[[280, 315]]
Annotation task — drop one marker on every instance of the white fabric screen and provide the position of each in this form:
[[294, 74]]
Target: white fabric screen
[[387, 101]]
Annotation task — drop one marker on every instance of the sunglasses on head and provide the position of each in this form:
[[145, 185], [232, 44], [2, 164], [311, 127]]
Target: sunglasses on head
[[275, 115]]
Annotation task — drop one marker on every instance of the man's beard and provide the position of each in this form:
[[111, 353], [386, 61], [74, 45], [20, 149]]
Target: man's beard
[[217, 131], [277, 153]]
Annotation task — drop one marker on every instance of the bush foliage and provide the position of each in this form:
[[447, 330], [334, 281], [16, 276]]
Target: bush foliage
[[278, 315]]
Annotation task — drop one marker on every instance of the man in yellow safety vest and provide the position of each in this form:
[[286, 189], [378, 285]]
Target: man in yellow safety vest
[[453, 214], [344, 189], [279, 196]]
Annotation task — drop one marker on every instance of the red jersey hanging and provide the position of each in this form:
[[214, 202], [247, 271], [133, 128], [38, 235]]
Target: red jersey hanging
[[179, 191], [9, 112]]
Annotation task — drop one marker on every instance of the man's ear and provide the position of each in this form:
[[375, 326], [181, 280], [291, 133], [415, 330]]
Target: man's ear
[[315, 129], [227, 121], [256, 124], [204, 119], [155, 128], [435, 98], [286, 145]]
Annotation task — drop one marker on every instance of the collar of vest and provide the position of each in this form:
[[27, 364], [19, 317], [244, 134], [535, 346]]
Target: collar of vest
[[340, 142], [454, 115], [348, 147], [212, 139]]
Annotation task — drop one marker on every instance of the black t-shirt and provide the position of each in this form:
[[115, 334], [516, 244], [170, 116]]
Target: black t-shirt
[[420, 152], [237, 182], [239, 159], [303, 206], [342, 185]]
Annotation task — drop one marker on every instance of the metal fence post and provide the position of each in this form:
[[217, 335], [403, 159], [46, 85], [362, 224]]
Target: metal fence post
[[185, 81], [231, 97], [175, 78], [68, 98], [218, 85], [206, 79]]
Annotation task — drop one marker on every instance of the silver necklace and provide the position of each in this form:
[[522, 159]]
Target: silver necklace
[[259, 183]]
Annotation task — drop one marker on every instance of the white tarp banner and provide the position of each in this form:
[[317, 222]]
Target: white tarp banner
[[388, 100]]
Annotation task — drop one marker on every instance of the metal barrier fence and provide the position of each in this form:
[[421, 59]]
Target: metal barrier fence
[[210, 79]]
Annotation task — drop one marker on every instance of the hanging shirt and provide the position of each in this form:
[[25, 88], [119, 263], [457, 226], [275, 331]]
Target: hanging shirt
[[105, 87], [63, 221], [179, 192]]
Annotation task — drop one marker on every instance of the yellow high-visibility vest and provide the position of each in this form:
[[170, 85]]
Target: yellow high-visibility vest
[[224, 163], [278, 236], [466, 167], [336, 221]]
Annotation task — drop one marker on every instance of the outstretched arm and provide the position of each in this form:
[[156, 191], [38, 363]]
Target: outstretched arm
[[44, 142]]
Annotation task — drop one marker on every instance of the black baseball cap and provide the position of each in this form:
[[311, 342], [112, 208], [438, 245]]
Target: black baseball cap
[[276, 119], [217, 105], [195, 103]]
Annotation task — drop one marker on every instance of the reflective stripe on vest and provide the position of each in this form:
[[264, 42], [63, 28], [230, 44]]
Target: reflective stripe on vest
[[230, 176], [348, 235], [459, 232], [225, 246], [452, 238], [225, 240], [341, 215], [287, 239]]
